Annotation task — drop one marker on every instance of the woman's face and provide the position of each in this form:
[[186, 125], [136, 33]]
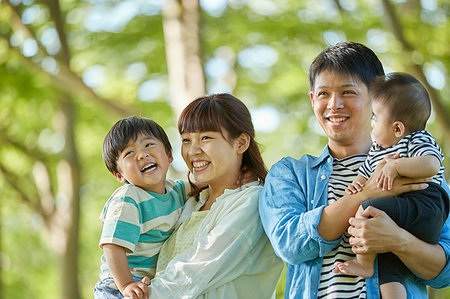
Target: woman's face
[[213, 158]]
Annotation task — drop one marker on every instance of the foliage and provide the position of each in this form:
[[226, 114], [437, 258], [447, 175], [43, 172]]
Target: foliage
[[258, 50]]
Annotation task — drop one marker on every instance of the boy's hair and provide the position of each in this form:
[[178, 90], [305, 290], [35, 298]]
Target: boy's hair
[[128, 129], [405, 98], [219, 112], [348, 58]]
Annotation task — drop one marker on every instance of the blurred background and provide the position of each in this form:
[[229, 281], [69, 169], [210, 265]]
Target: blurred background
[[70, 69]]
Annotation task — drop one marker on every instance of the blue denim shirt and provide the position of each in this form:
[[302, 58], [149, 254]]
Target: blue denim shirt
[[294, 195]]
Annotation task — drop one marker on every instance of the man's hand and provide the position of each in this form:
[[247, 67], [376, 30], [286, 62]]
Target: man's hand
[[377, 234], [136, 289]]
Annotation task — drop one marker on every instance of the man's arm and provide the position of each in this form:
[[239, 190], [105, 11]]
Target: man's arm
[[334, 220], [289, 218]]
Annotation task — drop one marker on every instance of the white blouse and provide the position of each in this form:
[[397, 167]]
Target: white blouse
[[231, 256]]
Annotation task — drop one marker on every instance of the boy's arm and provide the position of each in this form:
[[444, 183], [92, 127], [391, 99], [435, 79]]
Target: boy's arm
[[118, 265], [334, 219], [416, 167], [357, 184], [411, 167]]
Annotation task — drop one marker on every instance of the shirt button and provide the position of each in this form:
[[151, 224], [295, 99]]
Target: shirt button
[[323, 177], [312, 201], [329, 160]]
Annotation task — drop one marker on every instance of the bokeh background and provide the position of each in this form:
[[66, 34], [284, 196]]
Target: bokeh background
[[70, 69]]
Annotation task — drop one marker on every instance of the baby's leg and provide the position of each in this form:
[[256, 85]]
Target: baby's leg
[[362, 265], [392, 290]]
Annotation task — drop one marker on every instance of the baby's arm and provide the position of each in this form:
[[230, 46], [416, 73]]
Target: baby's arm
[[413, 167], [357, 184], [118, 265]]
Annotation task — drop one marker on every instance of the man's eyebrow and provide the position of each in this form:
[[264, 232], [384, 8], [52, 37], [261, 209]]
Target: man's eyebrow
[[343, 85]]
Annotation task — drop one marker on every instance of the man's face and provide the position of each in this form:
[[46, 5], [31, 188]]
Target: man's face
[[342, 108]]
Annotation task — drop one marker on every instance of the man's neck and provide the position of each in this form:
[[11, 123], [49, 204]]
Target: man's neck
[[339, 151]]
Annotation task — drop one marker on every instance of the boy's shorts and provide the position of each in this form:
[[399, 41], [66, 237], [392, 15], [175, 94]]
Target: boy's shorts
[[106, 289]]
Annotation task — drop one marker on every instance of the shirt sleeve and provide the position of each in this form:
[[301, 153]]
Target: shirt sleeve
[[215, 256], [365, 169], [424, 145], [121, 223], [443, 279], [289, 224]]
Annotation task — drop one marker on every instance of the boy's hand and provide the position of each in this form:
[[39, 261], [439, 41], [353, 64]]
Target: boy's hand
[[354, 187], [388, 173], [136, 289]]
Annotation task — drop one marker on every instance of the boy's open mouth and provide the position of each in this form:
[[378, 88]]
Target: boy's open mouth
[[148, 167]]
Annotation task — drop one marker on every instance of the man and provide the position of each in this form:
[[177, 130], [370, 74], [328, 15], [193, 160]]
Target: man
[[304, 208]]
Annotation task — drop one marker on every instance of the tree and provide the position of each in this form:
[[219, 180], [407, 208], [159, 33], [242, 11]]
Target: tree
[[70, 69]]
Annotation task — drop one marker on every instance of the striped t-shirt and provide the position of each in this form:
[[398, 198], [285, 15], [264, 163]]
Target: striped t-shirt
[[419, 143], [334, 285], [140, 221]]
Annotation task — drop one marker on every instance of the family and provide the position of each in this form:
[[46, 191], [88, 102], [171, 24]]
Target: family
[[365, 219]]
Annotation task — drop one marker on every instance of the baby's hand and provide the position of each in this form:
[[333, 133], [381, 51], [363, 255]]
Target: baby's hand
[[136, 289], [354, 187], [388, 174]]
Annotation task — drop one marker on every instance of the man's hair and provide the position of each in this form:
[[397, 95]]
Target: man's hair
[[405, 98], [128, 129], [347, 58]]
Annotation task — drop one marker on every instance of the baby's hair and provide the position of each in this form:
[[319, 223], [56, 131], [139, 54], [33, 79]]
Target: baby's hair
[[128, 129], [406, 99]]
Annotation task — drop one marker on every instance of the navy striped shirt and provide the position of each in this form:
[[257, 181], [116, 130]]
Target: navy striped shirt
[[339, 285], [419, 143]]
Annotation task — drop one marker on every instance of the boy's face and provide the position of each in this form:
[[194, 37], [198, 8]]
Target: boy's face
[[383, 128], [144, 163], [342, 108]]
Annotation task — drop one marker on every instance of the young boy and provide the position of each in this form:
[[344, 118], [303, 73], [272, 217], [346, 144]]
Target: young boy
[[401, 107], [140, 215]]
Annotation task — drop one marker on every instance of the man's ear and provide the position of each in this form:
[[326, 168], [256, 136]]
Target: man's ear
[[243, 142], [399, 129], [120, 177], [170, 156], [311, 96]]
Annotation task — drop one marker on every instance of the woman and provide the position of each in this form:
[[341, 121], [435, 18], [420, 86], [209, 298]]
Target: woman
[[220, 250]]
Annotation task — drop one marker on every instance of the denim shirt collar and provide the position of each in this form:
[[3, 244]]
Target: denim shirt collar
[[324, 156]]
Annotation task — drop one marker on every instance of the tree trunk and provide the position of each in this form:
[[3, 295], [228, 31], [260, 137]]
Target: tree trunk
[[69, 173], [181, 20]]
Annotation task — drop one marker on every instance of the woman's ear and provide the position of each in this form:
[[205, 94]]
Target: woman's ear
[[399, 129], [242, 142]]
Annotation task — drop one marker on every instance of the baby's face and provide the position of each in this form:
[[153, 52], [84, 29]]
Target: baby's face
[[383, 128]]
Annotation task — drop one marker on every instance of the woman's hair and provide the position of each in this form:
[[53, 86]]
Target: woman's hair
[[347, 58], [219, 112], [405, 98]]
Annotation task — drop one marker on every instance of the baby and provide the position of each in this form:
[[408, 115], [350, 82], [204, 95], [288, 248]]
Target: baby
[[401, 107]]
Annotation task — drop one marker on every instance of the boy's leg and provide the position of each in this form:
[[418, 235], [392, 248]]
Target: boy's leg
[[362, 265], [393, 290]]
